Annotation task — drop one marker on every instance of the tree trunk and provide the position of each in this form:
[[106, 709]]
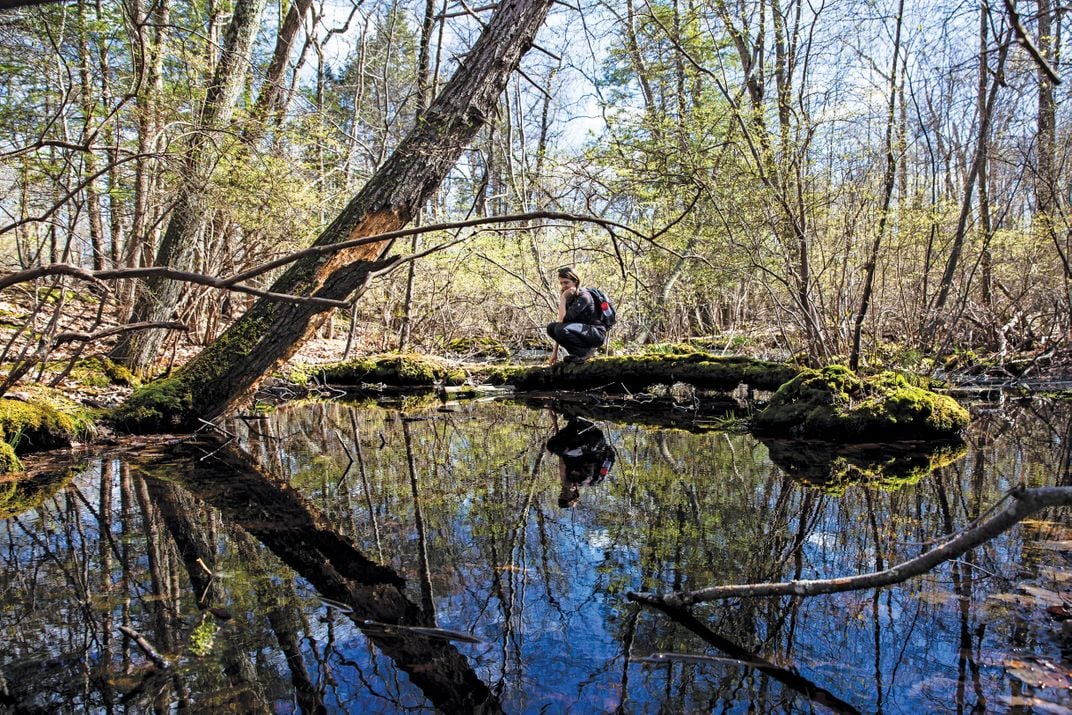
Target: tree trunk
[[422, 99], [987, 112], [310, 545], [158, 297], [986, 261], [271, 331], [1045, 188], [887, 195]]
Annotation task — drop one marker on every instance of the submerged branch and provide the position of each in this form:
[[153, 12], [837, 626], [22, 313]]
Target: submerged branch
[[147, 648], [1022, 504]]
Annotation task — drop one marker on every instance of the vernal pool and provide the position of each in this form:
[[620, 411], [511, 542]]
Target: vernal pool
[[362, 558]]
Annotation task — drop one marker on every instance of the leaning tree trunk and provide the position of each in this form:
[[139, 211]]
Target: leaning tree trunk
[[271, 331], [159, 297]]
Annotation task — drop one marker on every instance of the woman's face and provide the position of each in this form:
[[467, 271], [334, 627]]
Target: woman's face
[[564, 284]]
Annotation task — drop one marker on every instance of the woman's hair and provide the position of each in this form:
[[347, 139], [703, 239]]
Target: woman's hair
[[567, 272]]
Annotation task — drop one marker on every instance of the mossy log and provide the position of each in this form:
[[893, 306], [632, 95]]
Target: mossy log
[[402, 370], [833, 403], [639, 372]]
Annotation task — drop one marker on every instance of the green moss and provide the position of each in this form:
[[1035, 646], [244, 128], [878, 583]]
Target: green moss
[[404, 370], [478, 346], [9, 461], [159, 406], [834, 403], [639, 372], [102, 372], [19, 495], [44, 419]]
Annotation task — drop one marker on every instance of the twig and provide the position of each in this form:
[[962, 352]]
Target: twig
[[146, 647]]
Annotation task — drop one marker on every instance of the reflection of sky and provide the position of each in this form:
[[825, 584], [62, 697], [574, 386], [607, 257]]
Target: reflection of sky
[[543, 588]]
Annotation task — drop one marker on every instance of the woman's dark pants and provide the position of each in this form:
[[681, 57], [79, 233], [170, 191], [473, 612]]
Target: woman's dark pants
[[577, 338]]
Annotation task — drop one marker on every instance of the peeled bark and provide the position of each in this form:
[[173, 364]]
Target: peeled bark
[[271, 331]]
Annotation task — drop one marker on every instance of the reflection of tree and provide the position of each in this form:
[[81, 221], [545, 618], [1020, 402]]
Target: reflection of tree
[[277, 516]]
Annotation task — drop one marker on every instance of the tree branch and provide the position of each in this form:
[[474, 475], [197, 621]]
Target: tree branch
[[71, 336], [112, 274], [1025, 40], [1024, 502]]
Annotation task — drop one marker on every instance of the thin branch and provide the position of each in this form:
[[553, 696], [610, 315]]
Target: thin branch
[[1025, 40], [83, 337], [1023, 504], [66, 269], [403, 233]]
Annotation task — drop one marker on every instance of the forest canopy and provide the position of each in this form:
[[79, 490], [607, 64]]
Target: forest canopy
[[848, 181]]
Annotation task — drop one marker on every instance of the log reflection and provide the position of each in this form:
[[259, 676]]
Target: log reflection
[[277, 516]]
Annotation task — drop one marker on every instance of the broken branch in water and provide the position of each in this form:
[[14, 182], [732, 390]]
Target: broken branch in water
[[1022, 504], [146, 647]]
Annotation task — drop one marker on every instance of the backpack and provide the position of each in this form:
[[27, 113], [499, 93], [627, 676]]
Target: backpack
[[605, 314]]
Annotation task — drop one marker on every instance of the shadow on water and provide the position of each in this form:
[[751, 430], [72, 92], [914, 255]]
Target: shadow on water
[[475, 557]]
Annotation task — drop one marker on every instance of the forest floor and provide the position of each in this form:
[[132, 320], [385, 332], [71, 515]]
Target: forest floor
[[74, 367]]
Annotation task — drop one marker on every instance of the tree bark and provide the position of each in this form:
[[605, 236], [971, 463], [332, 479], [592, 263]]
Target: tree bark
[[158, 299], [270, 332]]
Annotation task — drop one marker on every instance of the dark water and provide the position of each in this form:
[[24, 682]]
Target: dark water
[[364, 559]]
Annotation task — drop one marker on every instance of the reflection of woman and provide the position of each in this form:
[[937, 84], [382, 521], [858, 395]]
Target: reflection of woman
[[579, 328], [584, 458]]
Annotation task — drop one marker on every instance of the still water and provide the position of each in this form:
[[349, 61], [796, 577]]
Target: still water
[[361, 558]]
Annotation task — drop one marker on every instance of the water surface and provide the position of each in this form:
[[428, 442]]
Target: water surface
[[351, 557]]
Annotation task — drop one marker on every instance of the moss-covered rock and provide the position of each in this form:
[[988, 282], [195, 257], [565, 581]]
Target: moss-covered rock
[[159, 406], [38, 419], [834, 403], [403, 370], [832, 468]]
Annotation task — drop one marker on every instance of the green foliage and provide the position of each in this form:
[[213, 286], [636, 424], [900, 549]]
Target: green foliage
[[203, 636], [834, 403]]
